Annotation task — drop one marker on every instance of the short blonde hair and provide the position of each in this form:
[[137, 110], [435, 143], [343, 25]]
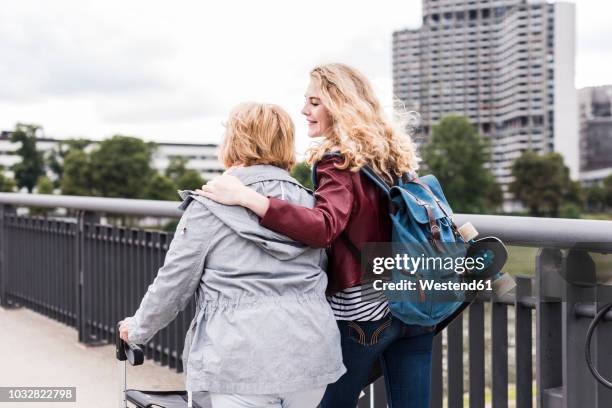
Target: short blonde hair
[[258, 133], [360, 131]]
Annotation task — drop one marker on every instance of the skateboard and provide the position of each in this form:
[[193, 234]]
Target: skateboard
[[494, 254]]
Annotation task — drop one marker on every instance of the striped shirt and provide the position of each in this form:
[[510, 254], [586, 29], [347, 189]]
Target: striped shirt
[[359, 303]]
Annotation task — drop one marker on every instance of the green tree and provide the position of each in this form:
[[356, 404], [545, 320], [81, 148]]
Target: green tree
[[161, 187], [574, 193], [7, 184], [595, 197], [77, 174], [43, 186], [176, 167], [121, 166], [57, 156], [456, 155], [191, 180], [493, 195], [183, 178], [570, 210], [302, 173], [170, 226], [542, 184], [75, 144], [607, 187], [31, 166]]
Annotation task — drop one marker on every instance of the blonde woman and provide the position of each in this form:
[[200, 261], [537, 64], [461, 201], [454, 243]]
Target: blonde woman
[[264, 334], [350, 211]]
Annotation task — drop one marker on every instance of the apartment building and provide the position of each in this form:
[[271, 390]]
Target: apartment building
[[595, 107], [507, 65]]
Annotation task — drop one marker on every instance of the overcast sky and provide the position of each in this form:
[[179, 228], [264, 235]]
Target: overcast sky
[[171, 71]]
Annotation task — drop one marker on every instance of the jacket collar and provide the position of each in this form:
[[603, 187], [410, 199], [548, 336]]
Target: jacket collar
[[261, 172], [248, 175]]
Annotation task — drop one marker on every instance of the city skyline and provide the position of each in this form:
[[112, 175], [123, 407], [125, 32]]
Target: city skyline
[[171, 75]]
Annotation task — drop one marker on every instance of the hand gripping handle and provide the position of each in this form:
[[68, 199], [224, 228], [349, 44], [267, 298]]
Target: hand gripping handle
[[128, 351]]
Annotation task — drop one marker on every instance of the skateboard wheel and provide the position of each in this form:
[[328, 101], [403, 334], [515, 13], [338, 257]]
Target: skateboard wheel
[[503, 284], [467, 231]]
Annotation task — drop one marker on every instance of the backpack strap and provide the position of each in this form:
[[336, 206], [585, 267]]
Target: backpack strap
[[376, 179], [416, 180]]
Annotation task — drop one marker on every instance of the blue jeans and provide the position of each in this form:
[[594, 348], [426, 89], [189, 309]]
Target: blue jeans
[[404, 354]]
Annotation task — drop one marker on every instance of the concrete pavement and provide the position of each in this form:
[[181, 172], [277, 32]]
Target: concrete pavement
[[38, 351]]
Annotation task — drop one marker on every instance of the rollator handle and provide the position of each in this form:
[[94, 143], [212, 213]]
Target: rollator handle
[[128, 351]]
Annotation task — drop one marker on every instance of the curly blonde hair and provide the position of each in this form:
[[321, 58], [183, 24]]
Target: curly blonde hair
[[258, 133], [360, 131]]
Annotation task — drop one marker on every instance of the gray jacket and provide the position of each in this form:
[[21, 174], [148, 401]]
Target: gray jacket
[[262, 323]]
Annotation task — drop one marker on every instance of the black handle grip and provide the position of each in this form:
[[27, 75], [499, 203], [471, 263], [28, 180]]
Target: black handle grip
[[127, 351], [134, 353]]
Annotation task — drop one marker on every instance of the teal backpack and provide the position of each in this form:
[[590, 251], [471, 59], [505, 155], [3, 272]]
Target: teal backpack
[[422, 227]]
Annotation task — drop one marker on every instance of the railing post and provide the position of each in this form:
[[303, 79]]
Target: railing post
[[477, 354], [499, 351], [4, 211], [548, 281], [603, 348], [579, 387], [454, 355], [523, 343], [437, 394], [564, 281], [83, 218]]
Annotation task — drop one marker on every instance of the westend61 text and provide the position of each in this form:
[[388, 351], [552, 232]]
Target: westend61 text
[[430, 284]]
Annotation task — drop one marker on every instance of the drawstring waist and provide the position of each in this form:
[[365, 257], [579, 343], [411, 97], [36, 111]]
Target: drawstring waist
[[251, 301]]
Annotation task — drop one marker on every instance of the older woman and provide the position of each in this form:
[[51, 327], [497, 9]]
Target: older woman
[[264, 334]]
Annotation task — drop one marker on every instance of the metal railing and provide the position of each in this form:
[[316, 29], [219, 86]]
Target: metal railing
[[85, 274], [89, 275]]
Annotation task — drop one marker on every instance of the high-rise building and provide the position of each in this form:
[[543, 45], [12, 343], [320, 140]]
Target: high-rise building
[[595, 133], [507, 65]]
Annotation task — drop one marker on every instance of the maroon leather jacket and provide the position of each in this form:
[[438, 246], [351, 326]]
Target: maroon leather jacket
[[345, 201]]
